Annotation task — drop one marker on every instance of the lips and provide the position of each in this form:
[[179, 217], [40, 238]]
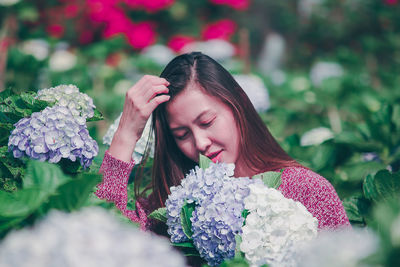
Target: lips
[[215, 157]]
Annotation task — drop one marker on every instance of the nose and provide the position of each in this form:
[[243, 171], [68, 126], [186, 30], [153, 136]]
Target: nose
[[202, 142]]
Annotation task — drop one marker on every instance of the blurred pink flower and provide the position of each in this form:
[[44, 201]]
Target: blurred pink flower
[[222, 29], [177, 42], [141, 35], [391, 2], [86, 36], [71, 10], [236, 4], [150, 6], [116, 23], [55, 30], [100, 9]]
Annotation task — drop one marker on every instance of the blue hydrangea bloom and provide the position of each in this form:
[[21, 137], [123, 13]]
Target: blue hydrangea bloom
[[218, 220], [53, 134], [197, 186]]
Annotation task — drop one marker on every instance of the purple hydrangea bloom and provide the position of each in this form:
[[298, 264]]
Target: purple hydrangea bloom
[[53, 134], [219, 219], [197, 186]]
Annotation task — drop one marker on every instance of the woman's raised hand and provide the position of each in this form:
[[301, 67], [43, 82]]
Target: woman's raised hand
[[140, 101]]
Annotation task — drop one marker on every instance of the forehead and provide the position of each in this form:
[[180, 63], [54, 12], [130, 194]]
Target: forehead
[[184, 108]]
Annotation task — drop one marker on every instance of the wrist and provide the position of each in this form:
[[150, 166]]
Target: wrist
[[122, 146]]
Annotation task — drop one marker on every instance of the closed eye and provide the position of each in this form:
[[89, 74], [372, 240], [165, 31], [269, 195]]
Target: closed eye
[[181, 137], [207, 123]]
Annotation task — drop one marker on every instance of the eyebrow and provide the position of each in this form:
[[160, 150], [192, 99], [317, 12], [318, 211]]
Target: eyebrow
[[194, 121]]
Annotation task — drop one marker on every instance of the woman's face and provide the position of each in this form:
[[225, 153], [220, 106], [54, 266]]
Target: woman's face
[[201, 123]]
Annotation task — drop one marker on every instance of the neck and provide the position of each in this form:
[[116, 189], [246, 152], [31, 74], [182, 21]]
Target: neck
[[244, 171]]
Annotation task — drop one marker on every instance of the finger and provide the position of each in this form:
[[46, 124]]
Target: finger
[[154, 102], [149, 80], [154, 91]]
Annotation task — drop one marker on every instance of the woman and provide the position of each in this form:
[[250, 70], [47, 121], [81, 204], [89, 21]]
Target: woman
[[198, 107]]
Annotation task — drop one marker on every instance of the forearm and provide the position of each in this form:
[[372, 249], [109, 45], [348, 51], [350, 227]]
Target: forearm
[[113, 188]]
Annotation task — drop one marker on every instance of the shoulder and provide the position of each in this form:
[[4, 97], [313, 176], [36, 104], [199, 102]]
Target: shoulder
[[316, 193], [302, 180]]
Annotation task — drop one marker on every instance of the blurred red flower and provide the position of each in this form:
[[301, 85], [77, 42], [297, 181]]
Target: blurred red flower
[[177, 42], [236, 4], [141, 35], [222, 29], [55, 30]]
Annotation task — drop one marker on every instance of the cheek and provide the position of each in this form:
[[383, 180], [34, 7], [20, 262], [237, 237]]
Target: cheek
[[187, 148]]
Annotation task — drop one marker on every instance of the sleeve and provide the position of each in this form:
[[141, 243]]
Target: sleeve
[[113, 188], [317, 195]]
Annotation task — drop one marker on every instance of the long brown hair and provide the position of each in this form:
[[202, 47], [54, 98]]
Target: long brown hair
[[259, 149]]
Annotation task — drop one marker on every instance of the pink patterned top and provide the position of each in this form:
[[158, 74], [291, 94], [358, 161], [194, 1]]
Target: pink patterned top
[[299, 184]]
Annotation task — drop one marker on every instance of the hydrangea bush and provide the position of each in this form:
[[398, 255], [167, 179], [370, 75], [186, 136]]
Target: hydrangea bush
[[53, 134], [91, 237], [209, 210]]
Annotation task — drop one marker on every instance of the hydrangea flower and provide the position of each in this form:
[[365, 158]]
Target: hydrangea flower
[[91, 237], [69, 96], [274, 226], [255, 90], [140, 144], [197, 186], [217, 221], [344, 247], [316, 136], [52, 134]]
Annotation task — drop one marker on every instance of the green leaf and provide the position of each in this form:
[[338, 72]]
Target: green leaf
[[44, 175], [184, 245], [270, 178], [245, 213], [20, 203], [357, 209], [4, 94], [159, 214], [3, 151], [96, 117], [186, 214], [369, 187], [387, 185], [204, 162], [73, 194], [238, 240]]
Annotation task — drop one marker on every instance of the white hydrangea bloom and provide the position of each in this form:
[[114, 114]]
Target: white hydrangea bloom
[[38, 48], [8, 2], [316, 136], [218, 49], [159, 53], [345, 248], [69, 96], [272, 53], [62, 60], [324, 70], [255, 90], [307, 7], [274, 226], [140, 144], [91, 237]]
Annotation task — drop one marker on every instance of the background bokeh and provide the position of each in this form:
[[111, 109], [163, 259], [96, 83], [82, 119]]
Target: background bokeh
[[323, 74]]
